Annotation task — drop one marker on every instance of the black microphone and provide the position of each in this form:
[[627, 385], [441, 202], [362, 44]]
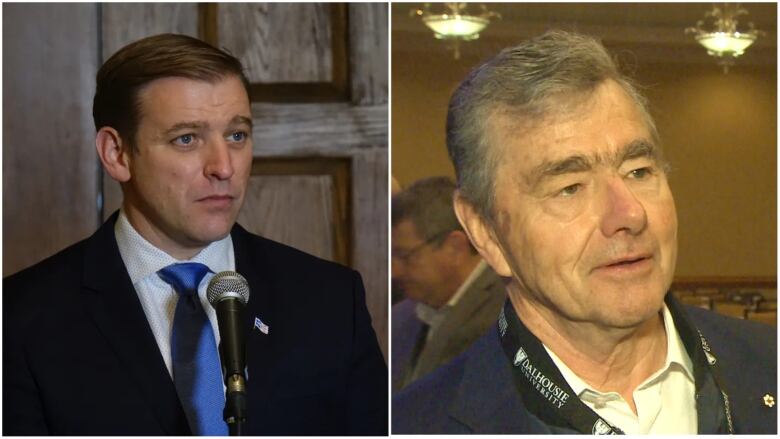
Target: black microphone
[[228, 292]]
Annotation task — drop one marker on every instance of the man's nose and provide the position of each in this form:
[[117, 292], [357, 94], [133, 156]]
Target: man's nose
[[623, 211], [219, 162]]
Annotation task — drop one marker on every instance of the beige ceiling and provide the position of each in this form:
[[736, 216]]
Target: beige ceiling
[[654, 32]]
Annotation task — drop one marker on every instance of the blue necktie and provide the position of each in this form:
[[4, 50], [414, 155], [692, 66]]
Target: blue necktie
[[197, 373]]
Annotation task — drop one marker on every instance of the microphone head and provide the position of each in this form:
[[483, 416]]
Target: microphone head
[[225, 285]]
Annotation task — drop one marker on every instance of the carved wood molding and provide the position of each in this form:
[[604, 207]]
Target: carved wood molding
[[317, 129], [339, 170], [335, 90]]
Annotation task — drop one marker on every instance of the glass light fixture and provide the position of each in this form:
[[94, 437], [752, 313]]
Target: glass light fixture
[[455, 21], [721, 37]]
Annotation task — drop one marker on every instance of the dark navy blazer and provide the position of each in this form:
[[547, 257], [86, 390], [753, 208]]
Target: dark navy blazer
[[79, 357], [475, 393]]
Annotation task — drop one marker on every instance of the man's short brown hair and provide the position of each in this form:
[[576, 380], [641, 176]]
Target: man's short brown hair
[[128, 71]]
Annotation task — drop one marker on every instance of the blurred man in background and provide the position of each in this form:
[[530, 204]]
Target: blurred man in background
[[452, 296]]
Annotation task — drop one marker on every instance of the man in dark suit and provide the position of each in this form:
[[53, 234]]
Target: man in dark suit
[[452, 296], [90, 344], [562, 189]]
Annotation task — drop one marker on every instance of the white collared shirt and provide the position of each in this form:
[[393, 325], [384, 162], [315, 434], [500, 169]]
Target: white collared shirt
[[665, 401], [158, 299]]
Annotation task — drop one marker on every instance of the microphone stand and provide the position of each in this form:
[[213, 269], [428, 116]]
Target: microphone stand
[[235, 404]]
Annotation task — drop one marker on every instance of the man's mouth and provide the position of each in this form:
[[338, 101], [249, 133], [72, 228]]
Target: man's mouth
[[626, 264], [217, 200], [627, 261]]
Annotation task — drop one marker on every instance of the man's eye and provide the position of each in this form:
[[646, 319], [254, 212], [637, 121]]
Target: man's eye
[[640, 174], [570, 190], [238, 136], [184, 140]]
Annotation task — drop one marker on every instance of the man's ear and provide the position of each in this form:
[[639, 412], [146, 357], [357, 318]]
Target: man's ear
[[458, 241], [113, 153], [481, 235]]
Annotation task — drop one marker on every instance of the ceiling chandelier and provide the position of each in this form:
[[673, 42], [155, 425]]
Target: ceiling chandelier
[[721, 37], [455, 22]]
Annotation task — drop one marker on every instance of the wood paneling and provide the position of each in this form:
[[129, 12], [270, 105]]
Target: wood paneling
[[312, 64], [123, 23], [368, 52], [50, 170], [317, 128], [304, 203], [293, 210], [370, 192], [254, 32]]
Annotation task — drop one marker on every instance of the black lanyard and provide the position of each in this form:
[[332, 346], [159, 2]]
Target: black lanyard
[[543, 389], [547, 394]]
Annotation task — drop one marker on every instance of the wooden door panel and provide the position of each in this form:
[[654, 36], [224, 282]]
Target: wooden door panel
[[294, 210], [370, 189], [317, 129], [368, 53], [292, 52], [254, 33], [50, 171], [123, 23], [304, 203]]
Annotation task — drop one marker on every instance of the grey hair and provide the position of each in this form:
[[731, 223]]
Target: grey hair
[[527, 81], [428, 204]]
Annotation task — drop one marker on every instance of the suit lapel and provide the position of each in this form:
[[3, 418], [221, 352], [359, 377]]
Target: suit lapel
[[252, 263], [111, 301], [446, 336], [406, 331], [486, 399]]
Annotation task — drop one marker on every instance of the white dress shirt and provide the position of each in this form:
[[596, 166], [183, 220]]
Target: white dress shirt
[[158, 299], [665, 402]]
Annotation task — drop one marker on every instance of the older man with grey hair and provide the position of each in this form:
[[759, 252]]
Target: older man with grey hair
[[562, 188]]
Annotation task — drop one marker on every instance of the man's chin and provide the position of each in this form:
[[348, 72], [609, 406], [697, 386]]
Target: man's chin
[[209, 233], [630, 315]]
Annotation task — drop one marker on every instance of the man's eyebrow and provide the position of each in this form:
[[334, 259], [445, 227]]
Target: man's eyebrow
[[238, 120], [550, 168], [636, 149], [200, 124], [192, 125]]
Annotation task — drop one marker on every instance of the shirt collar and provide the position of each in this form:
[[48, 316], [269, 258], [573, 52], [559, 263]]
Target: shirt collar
[[142, 259], [475, 273], [676, 356], [433, 316]]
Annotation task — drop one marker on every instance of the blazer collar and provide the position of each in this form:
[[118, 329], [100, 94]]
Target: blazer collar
[[486, 400], [112, 303], [252, 262], [255, 264]]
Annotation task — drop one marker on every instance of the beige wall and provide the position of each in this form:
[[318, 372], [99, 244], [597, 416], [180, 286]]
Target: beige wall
[[719, 132]]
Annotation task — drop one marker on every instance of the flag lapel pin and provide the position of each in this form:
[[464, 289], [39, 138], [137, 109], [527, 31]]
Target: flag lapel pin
[[262, 327]]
